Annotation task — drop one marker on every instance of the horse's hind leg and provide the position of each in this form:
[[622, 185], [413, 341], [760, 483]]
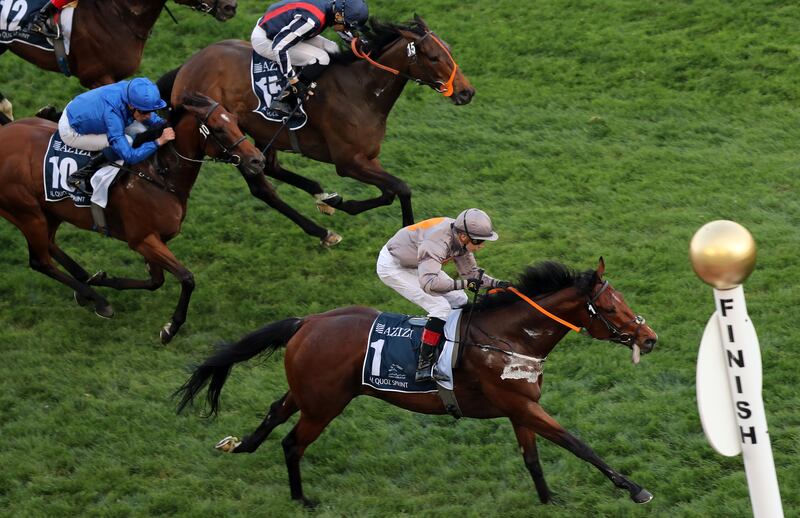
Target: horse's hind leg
[[371, 172], [294, 446], [279, 412], [36, 233], [527, 442]]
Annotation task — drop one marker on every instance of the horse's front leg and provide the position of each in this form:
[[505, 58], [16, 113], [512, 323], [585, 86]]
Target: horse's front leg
[[261, 189], [371, 172], [326, 202], [159, 256], [535, 418], [530, 454]]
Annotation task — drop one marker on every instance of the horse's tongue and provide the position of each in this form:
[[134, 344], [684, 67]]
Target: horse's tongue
[[637, 353]]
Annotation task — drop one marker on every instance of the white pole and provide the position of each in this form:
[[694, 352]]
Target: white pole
[[743, 362]]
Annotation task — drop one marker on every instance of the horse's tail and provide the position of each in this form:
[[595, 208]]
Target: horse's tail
[[165, 84], [217, 368]]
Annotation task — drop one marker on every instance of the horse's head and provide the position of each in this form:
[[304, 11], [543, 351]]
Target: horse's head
[[222, 138], [220, 9], [429, 60], [608, 317]]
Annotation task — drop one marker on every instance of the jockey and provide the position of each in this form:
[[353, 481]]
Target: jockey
[[411, 264], [289, 34], [106, 119], [39, 21]]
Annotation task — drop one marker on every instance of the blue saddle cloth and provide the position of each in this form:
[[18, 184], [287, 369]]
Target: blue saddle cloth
[[267, 81], [59, 162], [390, 362], [15, 14]]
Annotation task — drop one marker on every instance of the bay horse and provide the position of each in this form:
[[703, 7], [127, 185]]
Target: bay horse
[[347, 114], [325, 353], [108, 37], [145, 209]]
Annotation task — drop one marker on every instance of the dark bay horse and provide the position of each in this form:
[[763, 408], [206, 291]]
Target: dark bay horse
[[145, 209], [500, 374], [108, 37], [347, 115]]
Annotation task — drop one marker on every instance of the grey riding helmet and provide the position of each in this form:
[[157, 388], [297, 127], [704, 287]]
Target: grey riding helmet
[[476, 224]]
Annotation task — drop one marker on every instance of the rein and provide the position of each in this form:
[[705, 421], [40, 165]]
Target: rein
[[204, 130], [544, 311], [445, 89]]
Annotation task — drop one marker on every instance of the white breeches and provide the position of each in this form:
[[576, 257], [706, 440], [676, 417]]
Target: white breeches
[[405, 281], [92, 142], [315, 50]]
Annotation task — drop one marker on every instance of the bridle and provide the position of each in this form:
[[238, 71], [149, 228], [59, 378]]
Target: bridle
[[444, 88], [616, 334], [206, 7], [228, 156]]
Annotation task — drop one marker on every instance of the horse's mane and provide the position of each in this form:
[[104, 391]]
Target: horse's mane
[[539, 279], [379, 35]]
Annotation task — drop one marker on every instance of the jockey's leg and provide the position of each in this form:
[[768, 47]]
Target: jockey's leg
[[405, 281]]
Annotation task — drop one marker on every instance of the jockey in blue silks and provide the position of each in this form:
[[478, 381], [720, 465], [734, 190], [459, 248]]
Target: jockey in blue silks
[[289, 34], [106, 119]]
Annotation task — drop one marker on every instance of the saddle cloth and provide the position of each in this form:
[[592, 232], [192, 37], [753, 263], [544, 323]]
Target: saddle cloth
[[390, 361], [15, 14], [59, 162], [267, 81]]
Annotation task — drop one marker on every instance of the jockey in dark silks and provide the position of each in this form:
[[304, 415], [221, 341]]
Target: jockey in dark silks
[[289, 34], [39, 22]]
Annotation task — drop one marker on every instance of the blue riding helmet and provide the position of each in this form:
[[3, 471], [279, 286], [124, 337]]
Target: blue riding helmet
[[352, 13], [144, 95]]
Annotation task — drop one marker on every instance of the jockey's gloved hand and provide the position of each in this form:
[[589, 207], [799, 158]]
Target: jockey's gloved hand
[[473, 285], [501, 284]]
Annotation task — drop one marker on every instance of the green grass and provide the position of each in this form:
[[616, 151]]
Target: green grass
[[614, 129]]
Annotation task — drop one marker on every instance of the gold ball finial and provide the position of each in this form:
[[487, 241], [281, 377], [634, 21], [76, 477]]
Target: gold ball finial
[[723, 254]]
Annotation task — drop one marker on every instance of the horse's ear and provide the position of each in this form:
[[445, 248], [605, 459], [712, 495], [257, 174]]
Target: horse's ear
[[601, 268], [420, 21]]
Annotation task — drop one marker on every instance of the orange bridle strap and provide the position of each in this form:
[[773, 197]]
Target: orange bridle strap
[[447, 88], [542, 310]]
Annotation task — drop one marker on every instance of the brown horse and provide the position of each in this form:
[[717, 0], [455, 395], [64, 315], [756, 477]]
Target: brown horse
[[144, 210], [347, 115], [121, 25], [508, 333]]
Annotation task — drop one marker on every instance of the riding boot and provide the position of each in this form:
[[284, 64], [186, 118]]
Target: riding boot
[[39, 23], [82, 178], [312, 72], [431, 336]]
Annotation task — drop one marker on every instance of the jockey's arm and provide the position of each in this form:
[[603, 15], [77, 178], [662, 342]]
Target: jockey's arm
[[432, 279], [153, 120], [115, 126], [467, 268]]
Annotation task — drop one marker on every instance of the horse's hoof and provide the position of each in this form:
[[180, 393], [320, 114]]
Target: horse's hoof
[[327, 202], [642, 497], [165, 334], [331, 239], [228, 444], [101, 275], [309, 504], [81, 300], [104, 311]]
